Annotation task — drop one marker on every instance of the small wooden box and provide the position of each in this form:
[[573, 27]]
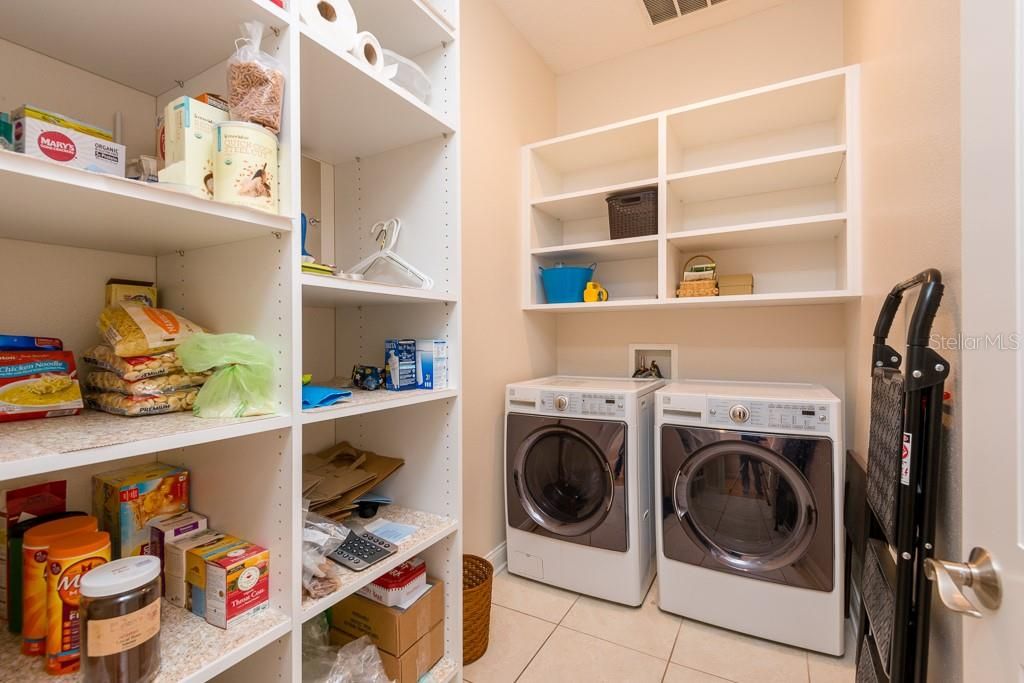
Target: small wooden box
[[735, 284]]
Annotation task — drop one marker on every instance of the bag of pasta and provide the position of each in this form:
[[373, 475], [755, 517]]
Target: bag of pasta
[[133, 368], [137, 406], [133, 329], [255, 81], [151, 386], [242, 383]]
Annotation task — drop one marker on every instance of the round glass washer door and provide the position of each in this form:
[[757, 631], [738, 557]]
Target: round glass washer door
[[563, 480], [746, 505]]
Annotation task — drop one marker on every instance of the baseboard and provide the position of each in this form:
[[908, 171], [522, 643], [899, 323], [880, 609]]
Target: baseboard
[[498, 558]]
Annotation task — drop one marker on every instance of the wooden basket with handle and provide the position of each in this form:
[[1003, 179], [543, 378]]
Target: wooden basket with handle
[[699, 280]]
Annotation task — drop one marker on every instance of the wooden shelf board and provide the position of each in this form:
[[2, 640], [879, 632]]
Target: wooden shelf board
[[432, 528], [737, 301], [813, 167], [363, 402], [348, 112], [46, 202], [326, 291], [574, 206], [138, 44], [605, 250], [407, 27], [766, 233], [36, 446], [191, 650]]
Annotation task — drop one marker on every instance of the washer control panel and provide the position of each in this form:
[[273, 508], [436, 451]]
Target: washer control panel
[[730, 412], [590, 404]]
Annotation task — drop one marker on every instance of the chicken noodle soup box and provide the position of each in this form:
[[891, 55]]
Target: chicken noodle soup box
[[48, 135], [127, 500], [36, 384]]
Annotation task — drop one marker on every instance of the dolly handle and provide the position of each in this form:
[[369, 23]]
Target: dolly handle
[[930, 282]]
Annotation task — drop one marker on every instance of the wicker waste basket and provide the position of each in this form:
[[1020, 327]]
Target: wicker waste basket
[[477, 575]]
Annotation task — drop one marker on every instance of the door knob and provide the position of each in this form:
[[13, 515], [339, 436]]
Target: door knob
[[978, 573]]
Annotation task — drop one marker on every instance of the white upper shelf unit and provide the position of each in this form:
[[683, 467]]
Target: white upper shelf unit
[[766, 182], [408, 27], [143, 46]]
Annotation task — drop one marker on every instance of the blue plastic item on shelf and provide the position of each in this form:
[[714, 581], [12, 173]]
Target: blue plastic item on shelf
[[321, 397], [565, 284]]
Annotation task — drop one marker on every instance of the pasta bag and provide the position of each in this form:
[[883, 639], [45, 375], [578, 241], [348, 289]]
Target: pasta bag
[[242, 383], [255, 81]]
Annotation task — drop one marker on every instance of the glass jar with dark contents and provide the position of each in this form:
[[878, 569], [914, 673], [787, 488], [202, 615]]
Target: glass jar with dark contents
[[119, 612]]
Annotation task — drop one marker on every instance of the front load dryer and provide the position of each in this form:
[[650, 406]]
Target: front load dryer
[[579, 484], [749, 478]]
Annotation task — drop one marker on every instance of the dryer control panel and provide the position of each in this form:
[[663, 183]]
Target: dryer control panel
[[810, 417], [588, 404]]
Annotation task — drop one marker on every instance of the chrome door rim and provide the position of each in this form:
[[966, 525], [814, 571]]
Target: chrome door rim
[[526, 498], [789, 552]]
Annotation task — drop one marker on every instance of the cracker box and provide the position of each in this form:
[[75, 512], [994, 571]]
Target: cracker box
[[127, 500], [237, 584], [48, 135], [400, 359], [176, 587], [36, 384], [189, 143]]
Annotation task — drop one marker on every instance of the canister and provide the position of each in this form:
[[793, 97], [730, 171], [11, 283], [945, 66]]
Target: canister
[[245, 166], [34, 553], [119, 612], [70, 558]]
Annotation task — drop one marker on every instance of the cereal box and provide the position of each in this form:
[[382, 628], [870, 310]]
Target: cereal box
[[127, 500], [237, 584], [37, 384]]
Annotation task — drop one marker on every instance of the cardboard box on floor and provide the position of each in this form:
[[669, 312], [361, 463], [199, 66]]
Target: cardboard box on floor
[[391, 629], [417, 660]]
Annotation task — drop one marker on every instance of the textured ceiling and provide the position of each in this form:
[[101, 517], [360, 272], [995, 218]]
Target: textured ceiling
[[572, 34]]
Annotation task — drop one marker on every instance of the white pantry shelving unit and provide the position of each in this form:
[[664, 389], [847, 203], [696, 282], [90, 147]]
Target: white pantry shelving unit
[[354, 150], [765, 181]]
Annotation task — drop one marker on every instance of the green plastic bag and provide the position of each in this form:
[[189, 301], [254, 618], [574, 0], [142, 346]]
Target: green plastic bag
[[242, 384]]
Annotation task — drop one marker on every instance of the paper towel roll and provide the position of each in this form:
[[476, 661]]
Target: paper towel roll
[[333, 21], [368, 51]]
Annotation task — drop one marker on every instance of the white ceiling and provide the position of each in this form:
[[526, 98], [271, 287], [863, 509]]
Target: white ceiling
[[572, 34]]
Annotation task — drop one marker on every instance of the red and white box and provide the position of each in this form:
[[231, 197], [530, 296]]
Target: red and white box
[[49, 135], [237, 584], [399, 584]]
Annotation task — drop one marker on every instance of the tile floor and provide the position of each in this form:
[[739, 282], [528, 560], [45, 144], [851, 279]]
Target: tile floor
[[541, 634]]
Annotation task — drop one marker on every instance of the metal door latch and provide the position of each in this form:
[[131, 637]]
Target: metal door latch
[[978, 573]]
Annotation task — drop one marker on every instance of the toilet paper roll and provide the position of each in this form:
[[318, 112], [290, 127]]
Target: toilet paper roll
[[333, 21], [367, 50]]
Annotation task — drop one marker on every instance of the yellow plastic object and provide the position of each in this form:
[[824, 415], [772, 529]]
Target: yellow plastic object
[[595, 292]]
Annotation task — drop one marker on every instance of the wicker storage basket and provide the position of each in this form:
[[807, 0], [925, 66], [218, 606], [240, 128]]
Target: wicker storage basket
[[477, 575], [633, 213], [704, 284]]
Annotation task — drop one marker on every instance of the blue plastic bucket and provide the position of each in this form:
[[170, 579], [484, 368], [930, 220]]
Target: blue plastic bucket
[[565, 284]]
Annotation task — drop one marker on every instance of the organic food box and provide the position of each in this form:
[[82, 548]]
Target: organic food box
[[176, 587], [35, 384], [48, 135], [189, 143], [392, 629], [398, 585], [431, 364], [195, 569], [416, 661], [172, 528], [127, 500], [400, 360], [237, 584]]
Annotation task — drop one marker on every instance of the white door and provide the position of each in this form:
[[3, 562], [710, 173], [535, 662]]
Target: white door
[[993, 374]]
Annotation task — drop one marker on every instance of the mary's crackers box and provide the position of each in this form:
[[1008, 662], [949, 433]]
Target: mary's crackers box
[[125, 501], [237, 584]]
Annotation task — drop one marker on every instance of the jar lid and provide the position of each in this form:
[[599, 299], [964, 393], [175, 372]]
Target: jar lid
[[120, 576]]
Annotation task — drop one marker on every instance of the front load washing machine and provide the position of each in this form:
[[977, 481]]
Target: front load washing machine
[[579, 484], [750, 518]]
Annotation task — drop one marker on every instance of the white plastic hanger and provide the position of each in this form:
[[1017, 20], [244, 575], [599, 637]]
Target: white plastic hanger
[[386, 233]]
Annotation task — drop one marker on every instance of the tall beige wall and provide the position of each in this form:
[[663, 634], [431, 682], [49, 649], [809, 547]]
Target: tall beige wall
[[509, 100], [792, 39], [910, 52]]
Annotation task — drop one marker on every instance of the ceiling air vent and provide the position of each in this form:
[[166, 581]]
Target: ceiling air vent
[[660, 11]]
